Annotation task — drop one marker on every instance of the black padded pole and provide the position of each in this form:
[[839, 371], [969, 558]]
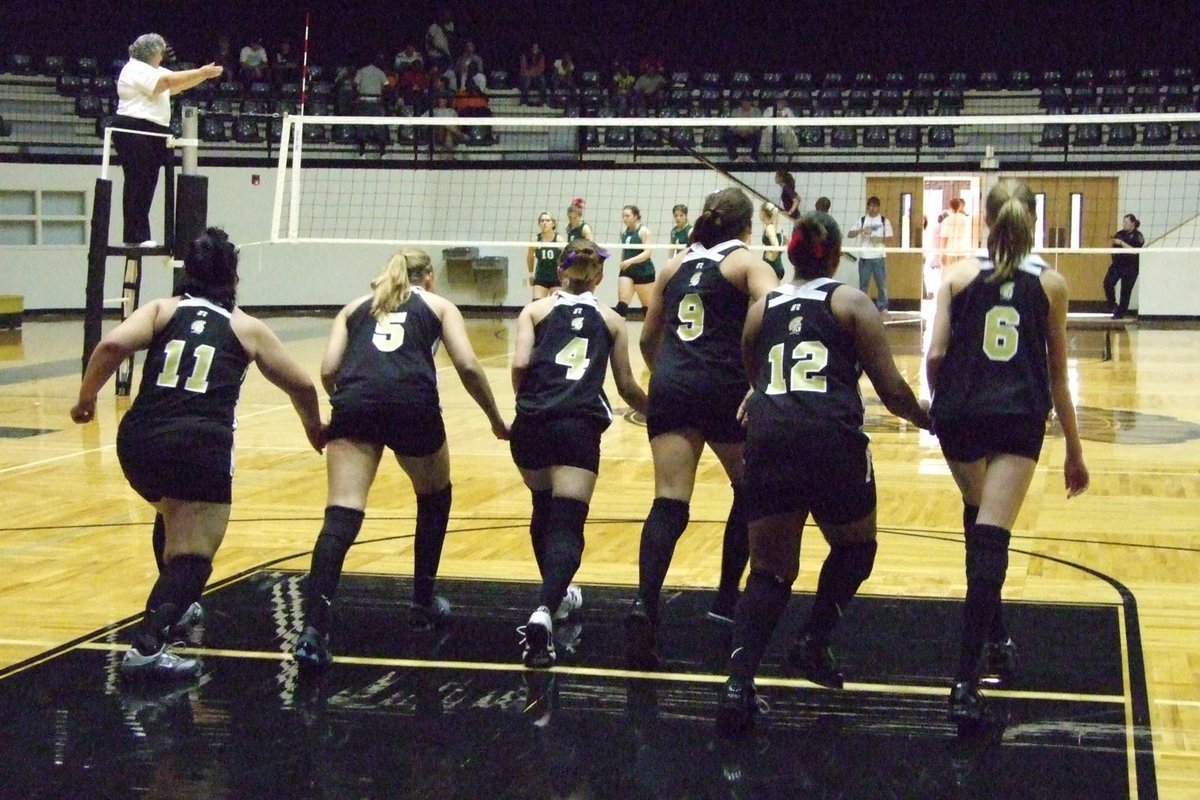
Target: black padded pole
[[93, 307]]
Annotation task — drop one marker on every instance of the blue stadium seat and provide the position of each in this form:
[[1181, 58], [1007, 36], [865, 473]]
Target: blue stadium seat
[[52, 66], [890, 99], [1146, 97], [1053, 136], [1053, 99], [247, 131], [951, 98], [956, 79], [896, 80], [833, 80], [920, 99], [1050, 77], [990, 81], [617, 137], [1020, 80], [1083, 97], [908, 136], [212, 129], [89, 106], [828, 100], [86, 66], [713, 138], [19, 64], [941, 136], [858, 99], [1122, 134], [69, 85], [1114, 97], [1189, 134], [481, 135], [316, 134], [864, 80], [843, 136], [810, 136], [647, 137], [498, 80], [1087, 134], [876, 136], [1156, 134], [257, 107]]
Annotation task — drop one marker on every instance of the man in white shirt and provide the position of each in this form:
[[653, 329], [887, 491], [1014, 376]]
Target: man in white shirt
[[876, 233], [253, 62]]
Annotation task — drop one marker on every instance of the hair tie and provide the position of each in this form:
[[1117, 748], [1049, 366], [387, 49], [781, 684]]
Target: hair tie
[[819, 250]]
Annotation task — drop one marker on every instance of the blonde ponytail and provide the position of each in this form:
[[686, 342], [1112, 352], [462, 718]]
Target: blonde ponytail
[[1010, 212], [392, 286]]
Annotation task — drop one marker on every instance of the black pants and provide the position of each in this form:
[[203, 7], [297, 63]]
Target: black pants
[[735, 138], [1127, 276], [141, 159]]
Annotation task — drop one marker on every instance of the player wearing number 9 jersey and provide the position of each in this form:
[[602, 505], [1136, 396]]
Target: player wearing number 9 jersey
[[691, 342], [175, 444], [379, 371], [997, 361], [564, 346], [806, 344]]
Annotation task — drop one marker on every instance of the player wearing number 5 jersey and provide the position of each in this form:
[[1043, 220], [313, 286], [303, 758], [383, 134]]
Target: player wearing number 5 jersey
[[564, 346], [997, 361], [806, 345], [691, 342], [175, 444], [379, 371]]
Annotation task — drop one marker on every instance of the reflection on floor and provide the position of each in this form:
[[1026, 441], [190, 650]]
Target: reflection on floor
[[454, 715]]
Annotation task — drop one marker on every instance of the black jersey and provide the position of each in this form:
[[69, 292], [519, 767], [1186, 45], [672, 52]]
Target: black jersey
[[193, 371], [390, 362], [996, 363], [634, 236], [807, 366], [680, 236], [545, 254], [703, 315], [576, 232], [566, 370]]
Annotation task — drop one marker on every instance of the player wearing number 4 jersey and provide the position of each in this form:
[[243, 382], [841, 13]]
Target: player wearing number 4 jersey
[[564, 346], [176, 442], [997, 361], [690, 341], [379, 371], [806, 345]]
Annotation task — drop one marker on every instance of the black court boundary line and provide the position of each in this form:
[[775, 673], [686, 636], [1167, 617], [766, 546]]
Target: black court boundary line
[[1143, 735]]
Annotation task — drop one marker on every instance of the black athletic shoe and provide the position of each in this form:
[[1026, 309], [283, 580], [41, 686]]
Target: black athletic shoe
[[816, 663], [312, 650], [999, 661], [724, 607], [640, 640], [431, 617], [738, 707], [967, 707]]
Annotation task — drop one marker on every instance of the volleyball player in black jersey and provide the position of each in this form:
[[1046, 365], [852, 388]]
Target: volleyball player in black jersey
[[997, 363], [637, 265], [564, 346], [806, 344], [542, 258], [576, 227], [175, 443], [691, 341], [379, 371]]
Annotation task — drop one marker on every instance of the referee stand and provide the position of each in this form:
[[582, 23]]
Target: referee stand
[[182, 223]]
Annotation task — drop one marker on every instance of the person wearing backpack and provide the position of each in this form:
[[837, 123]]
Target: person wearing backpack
[[874, 232]]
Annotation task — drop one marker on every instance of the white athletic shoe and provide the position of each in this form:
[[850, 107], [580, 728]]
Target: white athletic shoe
[[162, 665], [572, 601], [538, 639]]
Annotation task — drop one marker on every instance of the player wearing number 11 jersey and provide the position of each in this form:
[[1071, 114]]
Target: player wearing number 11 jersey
[[176, 442], [564, 346]]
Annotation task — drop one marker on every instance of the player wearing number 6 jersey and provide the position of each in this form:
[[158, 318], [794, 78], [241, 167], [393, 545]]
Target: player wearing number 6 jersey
[[806, 344], [997, 361], [175, 444], [564, 346], [379, 371], [691, 342]]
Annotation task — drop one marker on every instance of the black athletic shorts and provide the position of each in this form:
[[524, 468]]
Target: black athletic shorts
[[538, 442], [714, 415], [184, 461], [827, 473], [404, 430], [968, 439]]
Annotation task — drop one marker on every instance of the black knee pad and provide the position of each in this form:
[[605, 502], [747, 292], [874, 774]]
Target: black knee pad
[[857, 559], [341, 527], [970, 513], [564, 536], [987, 554], [673, 514]]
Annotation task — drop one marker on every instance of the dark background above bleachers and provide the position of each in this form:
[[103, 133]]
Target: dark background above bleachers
[[756, 35]]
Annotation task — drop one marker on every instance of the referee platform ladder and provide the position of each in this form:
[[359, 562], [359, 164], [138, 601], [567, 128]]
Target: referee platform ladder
[[182, 224]]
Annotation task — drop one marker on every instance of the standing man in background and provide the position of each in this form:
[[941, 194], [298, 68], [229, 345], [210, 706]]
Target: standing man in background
[[876, 233]]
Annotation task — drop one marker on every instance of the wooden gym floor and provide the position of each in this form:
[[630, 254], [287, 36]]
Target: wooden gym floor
[[1101, 591]]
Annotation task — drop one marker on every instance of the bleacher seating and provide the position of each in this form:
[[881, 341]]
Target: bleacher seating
[[1053, 136], [247, 131], [1156, 134], [19, 64], [1087, 134], [1122, 135]]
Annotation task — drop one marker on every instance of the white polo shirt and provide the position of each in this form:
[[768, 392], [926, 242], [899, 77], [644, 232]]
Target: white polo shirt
[[135, 91], [874, 231]]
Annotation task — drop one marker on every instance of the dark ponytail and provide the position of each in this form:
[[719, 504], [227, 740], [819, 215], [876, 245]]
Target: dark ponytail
[[210, 268], [816, 246], [727, 215]]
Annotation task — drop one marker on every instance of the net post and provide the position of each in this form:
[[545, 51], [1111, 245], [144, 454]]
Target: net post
[[191, 134], [281, 176], [131, 289], [294, 199], [169, 202]]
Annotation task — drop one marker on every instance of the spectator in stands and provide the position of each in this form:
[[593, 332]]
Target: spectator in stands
[[783, 139], [144, 90], [1124, 268], [471, 99], [649, 88], [448, 137], [412, 87], [253, 64], [408, 59], [743, 135], [789, 200], [533, 73], [622, 87], [224, 57], [464, 62], [287, 68], [564, 72], [369, 84], [439, 39]]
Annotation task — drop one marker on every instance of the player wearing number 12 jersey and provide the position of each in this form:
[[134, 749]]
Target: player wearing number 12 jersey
[[691, 342], [564, 346], [175, 444], [379, 371], [805, 345], [997, 361]]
